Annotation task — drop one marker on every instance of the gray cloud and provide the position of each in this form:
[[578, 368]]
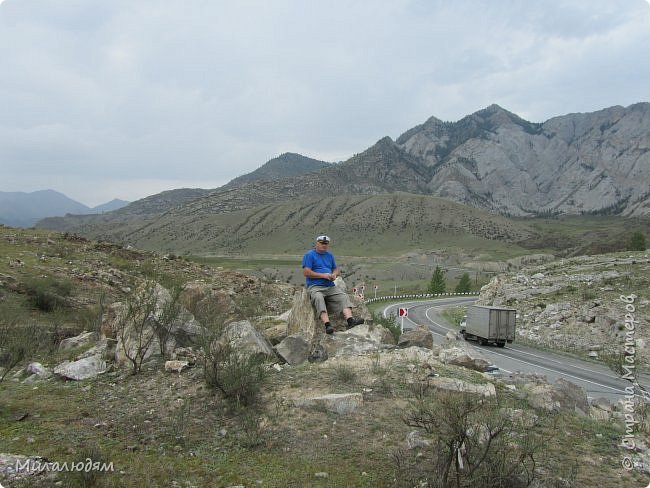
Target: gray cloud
[[124, 99]]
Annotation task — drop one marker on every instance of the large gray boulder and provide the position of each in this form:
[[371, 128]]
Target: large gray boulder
[[418, 337], [83, 339], [362, 339], [465, 356], [81, 369], [294, 349], [246, 339]]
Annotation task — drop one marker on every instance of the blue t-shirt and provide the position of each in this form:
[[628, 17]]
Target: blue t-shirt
[[320, 263]]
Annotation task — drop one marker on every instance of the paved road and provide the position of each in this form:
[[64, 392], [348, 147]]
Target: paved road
[[597, 380]]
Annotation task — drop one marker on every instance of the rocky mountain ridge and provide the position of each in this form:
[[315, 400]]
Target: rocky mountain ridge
[[595, 163], [577, 163], [493, 160]]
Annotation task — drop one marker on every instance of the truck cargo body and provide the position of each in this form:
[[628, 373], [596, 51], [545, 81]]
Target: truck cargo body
[[490, 324]]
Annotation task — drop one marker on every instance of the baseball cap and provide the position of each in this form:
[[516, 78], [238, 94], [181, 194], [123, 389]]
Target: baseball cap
[[324, 239]]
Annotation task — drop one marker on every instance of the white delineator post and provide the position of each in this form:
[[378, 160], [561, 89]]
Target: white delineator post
[[403, 312]]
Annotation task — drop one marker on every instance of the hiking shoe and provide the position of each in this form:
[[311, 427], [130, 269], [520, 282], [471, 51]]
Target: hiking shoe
[[329, 329], [354, 322]]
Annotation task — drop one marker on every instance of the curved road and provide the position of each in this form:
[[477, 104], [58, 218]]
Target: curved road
[[597, 380]]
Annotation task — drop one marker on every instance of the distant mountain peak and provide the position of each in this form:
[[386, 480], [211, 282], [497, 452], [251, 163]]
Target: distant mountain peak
[[386, 141], [285, 165]]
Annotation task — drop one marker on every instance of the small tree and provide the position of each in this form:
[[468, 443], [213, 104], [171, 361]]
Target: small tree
[[134, 324], [165, 319], [637, 242], [464, 285], [437, 284]]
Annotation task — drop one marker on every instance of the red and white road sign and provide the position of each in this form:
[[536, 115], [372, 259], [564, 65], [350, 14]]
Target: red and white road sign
[[403, 312]]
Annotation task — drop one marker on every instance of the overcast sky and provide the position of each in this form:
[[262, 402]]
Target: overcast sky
[[126, 98]]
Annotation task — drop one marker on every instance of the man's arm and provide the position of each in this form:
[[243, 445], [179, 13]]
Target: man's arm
[[310, 273]]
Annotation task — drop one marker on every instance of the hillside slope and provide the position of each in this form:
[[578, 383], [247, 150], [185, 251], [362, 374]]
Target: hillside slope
[[359, 223]]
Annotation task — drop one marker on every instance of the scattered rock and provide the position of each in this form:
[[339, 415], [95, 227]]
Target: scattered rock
[[81, 369], [82, 339], [340, 403], [294, 349], [418, 337], [415, 440], [247, 339], [36, 372], [465, 357], [37, 369], [176, 366], [454, 384]]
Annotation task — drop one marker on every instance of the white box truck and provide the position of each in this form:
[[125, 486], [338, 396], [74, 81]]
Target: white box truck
[[487, 324]]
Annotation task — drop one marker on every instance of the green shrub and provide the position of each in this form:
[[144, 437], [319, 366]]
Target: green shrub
[[17, 343], [478, 441], [49, 294], [390, 323], [238, 376], [637, 242], [345, 374]]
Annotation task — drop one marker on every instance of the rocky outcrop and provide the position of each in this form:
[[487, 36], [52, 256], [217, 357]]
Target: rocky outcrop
[[184, 329], [302, 320], [561, 395], [575, 304]]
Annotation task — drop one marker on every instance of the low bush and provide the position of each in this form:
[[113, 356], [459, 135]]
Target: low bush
[[390, 323], [17, 343], [237, 375], [477, 441], [49, 294]]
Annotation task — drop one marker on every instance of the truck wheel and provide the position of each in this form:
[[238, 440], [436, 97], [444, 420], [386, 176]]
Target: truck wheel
[[482, 341], [501, 344]]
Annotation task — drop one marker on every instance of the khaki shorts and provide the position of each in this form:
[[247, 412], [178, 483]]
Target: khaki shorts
[[329, 299]]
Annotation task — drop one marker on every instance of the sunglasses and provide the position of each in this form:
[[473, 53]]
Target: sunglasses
[[324, 242]]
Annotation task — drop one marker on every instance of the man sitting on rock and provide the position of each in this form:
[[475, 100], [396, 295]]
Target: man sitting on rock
[[319, 268]]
